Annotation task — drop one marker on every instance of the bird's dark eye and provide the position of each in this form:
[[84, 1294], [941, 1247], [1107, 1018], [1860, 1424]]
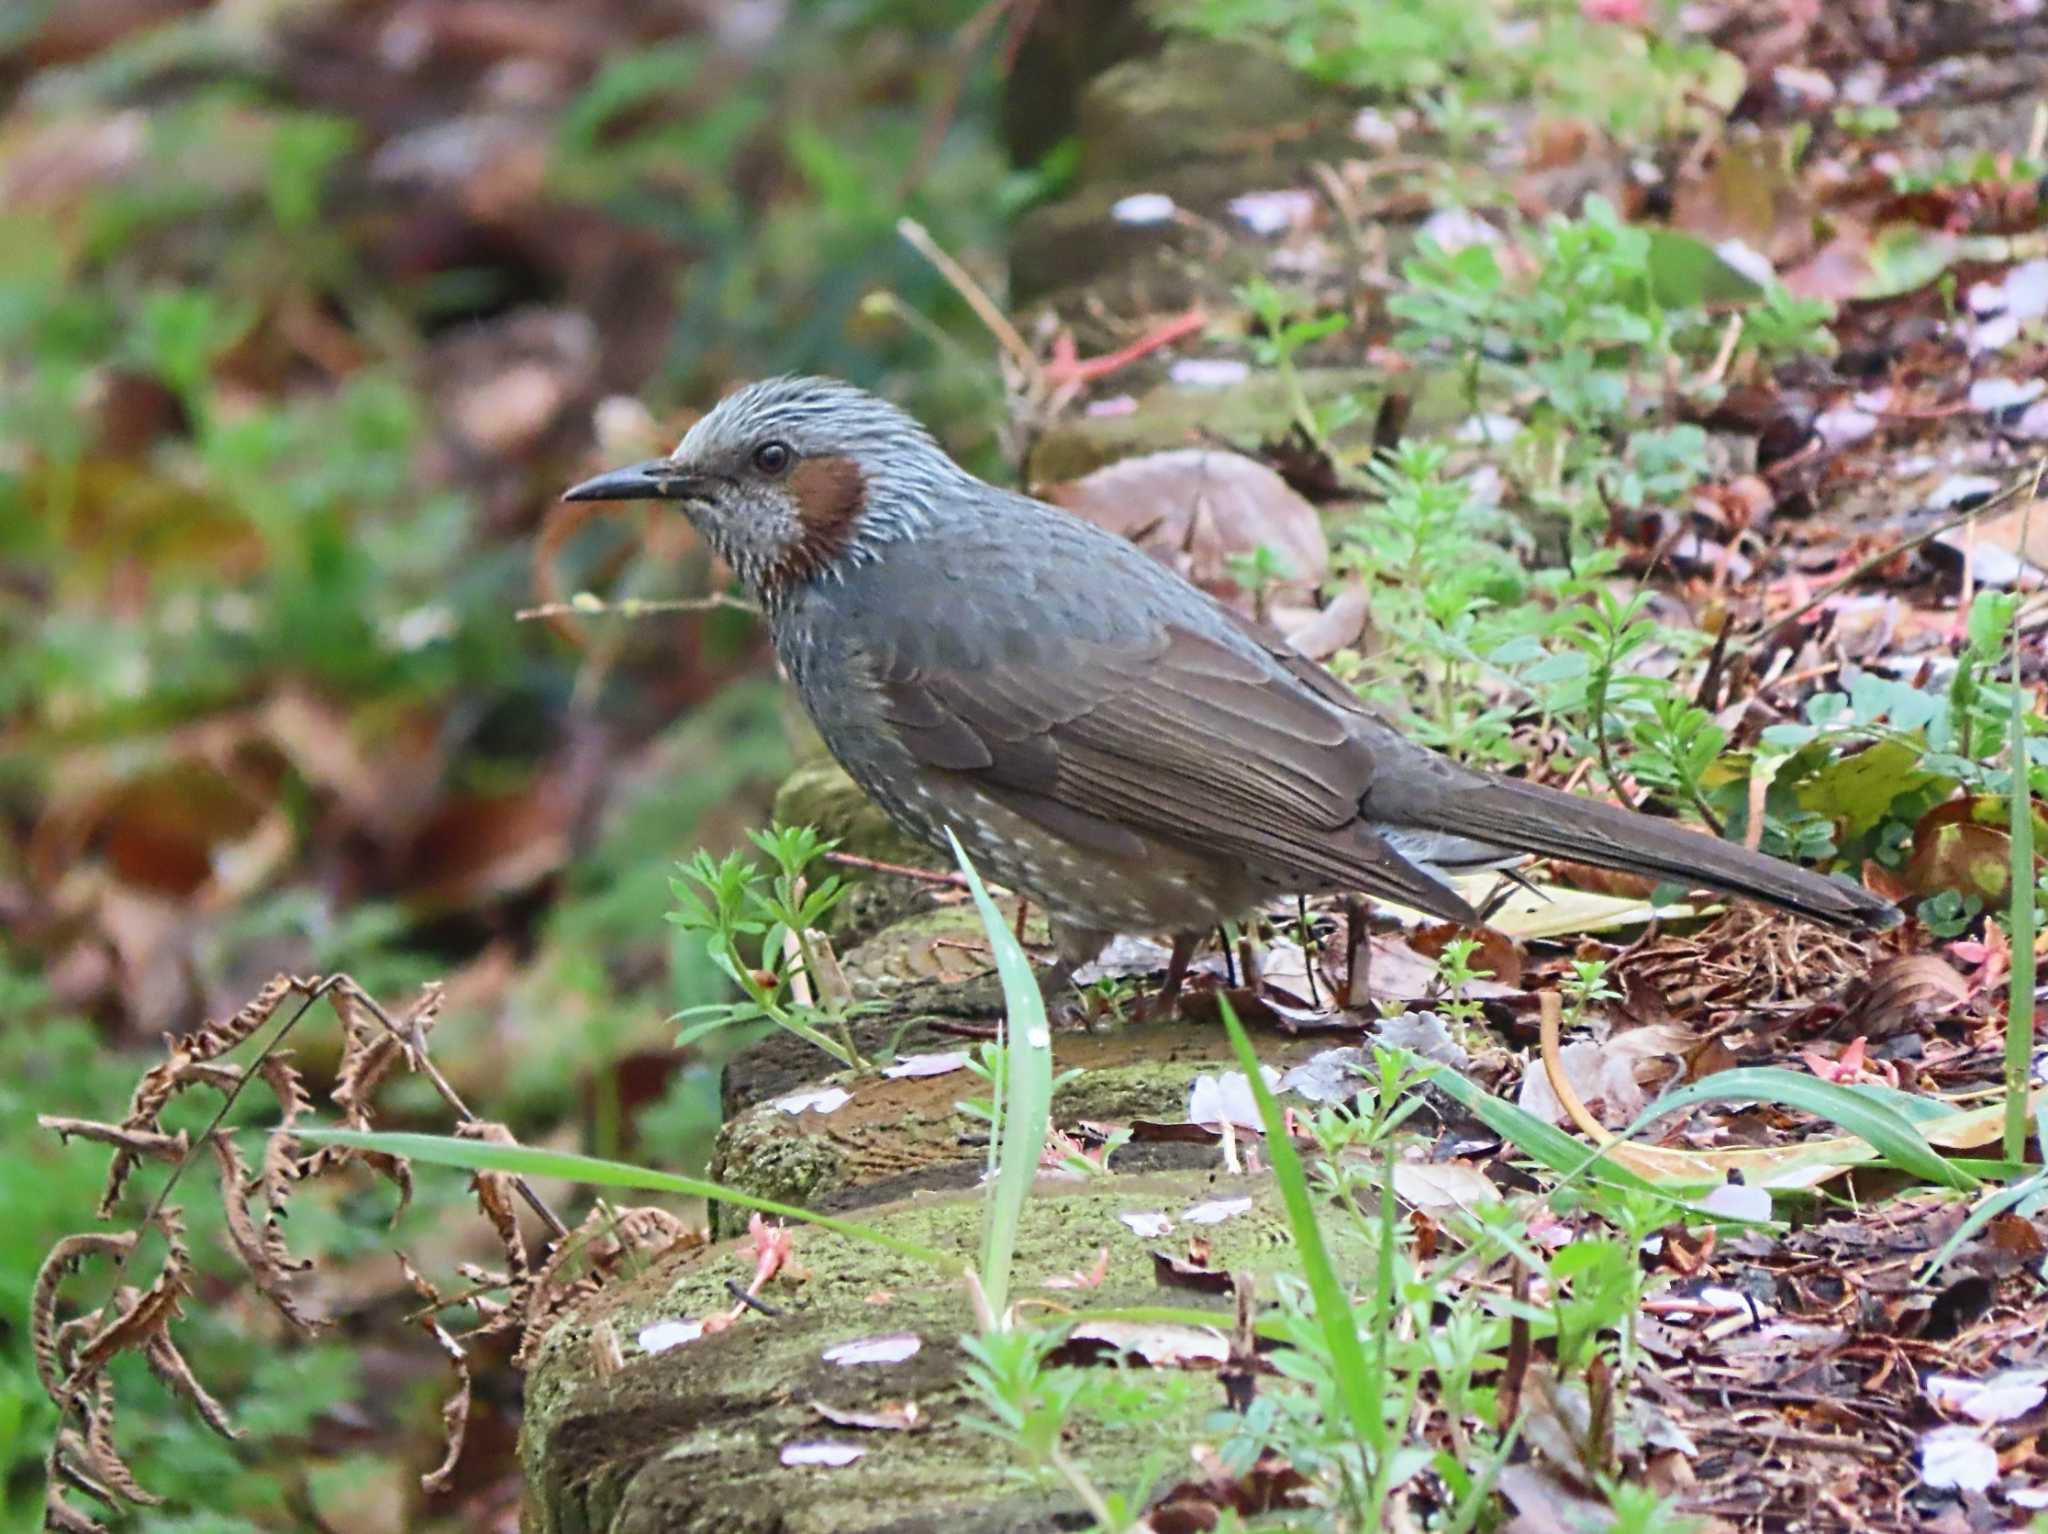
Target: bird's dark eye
[[774, 457]]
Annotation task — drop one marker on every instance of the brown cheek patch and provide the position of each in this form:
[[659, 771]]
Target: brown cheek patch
[[830, 494]]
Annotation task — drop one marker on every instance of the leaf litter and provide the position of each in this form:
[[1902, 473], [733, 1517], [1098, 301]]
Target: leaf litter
[[1784, 1362]]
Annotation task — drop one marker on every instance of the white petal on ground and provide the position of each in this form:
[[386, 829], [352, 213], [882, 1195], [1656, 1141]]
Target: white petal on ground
[[1436, 1185], [1738, 1201], [892, 1349], [1956, 1458], [1227, 1099], [1275, 212], [1142, 208], [1425, 1034], [823, 1100], [2005, 1395], [1454, 229], [1844, 426], [829, 1455], [1125, 957], [1216, 1211], [2004, 393], [1333, 1076], [663, 1335], [1209, 372], [1959, 488]]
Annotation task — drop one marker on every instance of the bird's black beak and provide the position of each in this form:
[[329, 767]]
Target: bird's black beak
[[658, 479]]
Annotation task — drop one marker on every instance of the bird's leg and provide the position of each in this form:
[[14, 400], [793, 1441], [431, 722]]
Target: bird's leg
[[1357, 953], [1163, 1002], [1072, 947], [1311, 950]]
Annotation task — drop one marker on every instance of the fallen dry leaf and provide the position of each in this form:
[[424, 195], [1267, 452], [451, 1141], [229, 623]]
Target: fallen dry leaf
[[1161, 1344], [1195, 509], [1904, 992]]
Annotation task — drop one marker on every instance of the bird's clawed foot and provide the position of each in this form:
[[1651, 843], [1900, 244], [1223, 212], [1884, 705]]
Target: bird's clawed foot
[[1063, 1005]]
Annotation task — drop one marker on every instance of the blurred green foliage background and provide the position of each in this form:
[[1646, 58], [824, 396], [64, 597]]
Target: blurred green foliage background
[[308, 309]]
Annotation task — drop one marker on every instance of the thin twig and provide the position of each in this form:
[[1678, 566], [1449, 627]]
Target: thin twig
[[416, 1046], [973, 294], [309, 993], [1886, 556], [901, 870], [634, 607], [1550, 1011], [1309, 954]]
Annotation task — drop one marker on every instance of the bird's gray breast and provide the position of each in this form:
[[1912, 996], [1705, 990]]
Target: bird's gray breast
[[825, 642]]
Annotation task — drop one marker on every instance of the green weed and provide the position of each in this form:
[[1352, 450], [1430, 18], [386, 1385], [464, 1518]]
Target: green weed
[[1632, 83], [751, 920]]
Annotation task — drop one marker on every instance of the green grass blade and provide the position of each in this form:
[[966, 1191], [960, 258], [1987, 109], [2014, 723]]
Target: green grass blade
[[1989, 1208], [1359, 1390], [528, 1161], [2019, 1006], [1910, 1106], [1026, 1111], [1563, 1154], [1890, 1134]]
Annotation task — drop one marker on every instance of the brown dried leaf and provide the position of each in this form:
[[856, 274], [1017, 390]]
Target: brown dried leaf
[[1903, 992], [1193, 509], [253, 1246], [494, 1197], [168, 1365], [132, 1146], [281, 1161], [140, 1317], [190, 1061], [102, 1460], [477, 848], [62, 1468], [1497, 957], [454, 1410], [64, 1260], [602, 1241], [1171, 1272], [889, 1417], [162, 830], [216, 1039], [139, 1142], [1320, 633], [1962, 845], [1163, 1345], [1270, 1485], [368, 1053]]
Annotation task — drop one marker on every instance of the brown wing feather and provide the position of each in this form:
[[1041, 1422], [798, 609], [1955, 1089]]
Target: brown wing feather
[[1174, 735]]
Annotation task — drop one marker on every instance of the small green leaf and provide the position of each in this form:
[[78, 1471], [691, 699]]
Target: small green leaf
[[1858, 790], [1688, 273]]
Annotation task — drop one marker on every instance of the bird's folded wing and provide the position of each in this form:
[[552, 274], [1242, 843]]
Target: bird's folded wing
[[1163, 733]]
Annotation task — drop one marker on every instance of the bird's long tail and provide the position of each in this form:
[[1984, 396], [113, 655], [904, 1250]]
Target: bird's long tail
[[1529, 818]]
